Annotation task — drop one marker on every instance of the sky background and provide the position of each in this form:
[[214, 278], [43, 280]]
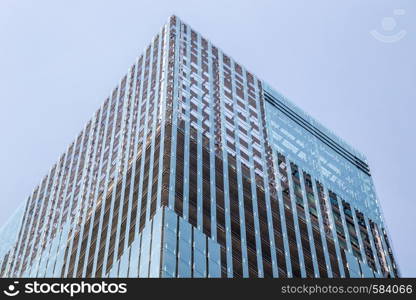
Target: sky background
[[59, 60]]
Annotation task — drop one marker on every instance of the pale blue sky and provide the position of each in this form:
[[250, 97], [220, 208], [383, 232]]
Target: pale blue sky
[[60, 59]]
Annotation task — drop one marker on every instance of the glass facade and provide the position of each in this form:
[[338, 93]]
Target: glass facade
[[195, 167]]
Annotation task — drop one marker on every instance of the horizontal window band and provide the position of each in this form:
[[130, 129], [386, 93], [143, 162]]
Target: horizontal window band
[[360, 164]]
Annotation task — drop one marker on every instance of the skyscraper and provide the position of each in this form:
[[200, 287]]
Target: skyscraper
[[195, 167]]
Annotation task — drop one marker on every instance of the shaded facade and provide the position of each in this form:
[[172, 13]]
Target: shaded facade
[[195, 167]]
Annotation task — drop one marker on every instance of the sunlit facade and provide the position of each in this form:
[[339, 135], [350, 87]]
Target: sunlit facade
[[195, 167]]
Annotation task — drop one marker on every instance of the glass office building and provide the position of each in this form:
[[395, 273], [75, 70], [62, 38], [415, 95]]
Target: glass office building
[[195, 167]]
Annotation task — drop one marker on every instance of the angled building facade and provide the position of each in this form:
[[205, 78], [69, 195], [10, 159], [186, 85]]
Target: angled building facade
[[195, 167]]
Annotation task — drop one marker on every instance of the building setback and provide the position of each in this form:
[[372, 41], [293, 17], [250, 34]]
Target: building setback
[[195, 167]]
